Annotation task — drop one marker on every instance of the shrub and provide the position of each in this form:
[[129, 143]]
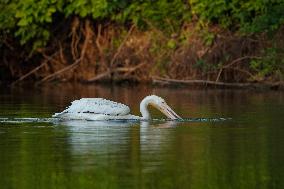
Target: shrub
[[30, 20]]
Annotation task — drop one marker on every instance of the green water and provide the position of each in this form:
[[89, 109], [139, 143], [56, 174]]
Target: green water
[[243, 152]]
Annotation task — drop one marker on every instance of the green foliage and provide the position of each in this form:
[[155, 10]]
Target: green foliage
[[31, 21], [209, 10], [162, 14], [7, 12], [171, 44], [270, 65], [207, 36], [270, 20], [205, 66], [95, 8], [247, 16]]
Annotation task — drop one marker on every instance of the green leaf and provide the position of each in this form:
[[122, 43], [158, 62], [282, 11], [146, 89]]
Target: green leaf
[[23, 22]]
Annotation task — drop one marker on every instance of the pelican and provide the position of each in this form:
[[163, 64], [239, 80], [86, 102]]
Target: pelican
[[101, 109]]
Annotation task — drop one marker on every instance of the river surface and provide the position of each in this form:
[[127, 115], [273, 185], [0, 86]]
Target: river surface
[[243, 150]]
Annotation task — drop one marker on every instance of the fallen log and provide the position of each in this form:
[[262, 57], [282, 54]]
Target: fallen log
[[207, 83]]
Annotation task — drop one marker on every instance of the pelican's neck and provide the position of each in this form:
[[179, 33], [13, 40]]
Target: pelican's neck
[[144, 108]]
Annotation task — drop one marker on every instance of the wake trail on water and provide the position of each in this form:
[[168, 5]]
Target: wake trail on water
[[58, 120], [28, 120]]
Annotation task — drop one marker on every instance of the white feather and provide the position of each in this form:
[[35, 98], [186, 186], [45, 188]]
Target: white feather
[[96, 106]]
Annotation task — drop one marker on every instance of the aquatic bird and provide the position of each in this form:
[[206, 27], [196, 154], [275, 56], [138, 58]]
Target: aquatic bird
[[102, 109]]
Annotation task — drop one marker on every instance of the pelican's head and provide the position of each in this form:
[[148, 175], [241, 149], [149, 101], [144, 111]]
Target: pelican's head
[[158, 103]]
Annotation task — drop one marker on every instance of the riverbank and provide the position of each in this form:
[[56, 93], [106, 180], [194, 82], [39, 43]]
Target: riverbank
[[94, 41], [101, 53], [96, 53]]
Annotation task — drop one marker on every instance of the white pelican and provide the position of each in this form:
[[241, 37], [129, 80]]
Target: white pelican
[[102, 109]]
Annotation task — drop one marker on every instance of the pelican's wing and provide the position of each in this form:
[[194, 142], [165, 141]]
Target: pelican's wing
[[97, 106]]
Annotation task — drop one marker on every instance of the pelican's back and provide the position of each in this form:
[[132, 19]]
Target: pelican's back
[[96, 106]]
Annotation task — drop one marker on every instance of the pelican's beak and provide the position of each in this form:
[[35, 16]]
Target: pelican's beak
[[168, 112]]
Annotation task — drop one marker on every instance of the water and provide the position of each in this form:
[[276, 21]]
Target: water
[[245, 151]]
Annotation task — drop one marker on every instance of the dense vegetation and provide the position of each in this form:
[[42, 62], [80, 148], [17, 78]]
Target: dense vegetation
[[35, 25]]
